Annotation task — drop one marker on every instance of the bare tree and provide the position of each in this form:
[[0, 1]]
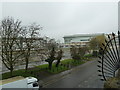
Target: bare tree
[[40, 49], [30, 35], [59, 57], [9, 31], [51, 51], [75, 53]]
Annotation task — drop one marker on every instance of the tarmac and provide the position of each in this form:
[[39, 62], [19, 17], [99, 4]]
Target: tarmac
[[56, 77]]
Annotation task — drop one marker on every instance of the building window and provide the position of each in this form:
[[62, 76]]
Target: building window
[[84, 40]]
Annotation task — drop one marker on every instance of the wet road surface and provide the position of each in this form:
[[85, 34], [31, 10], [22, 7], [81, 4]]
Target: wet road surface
[[85, 76]]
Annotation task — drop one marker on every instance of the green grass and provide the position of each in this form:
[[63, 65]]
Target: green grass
[[66, 61], [78, 63], [44, 68], [64, 65], [88, 55], [58, 69], [72, 62], [17, 73], [54, 69]]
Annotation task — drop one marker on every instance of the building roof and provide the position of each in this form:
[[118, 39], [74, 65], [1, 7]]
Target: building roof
[[82, 35]]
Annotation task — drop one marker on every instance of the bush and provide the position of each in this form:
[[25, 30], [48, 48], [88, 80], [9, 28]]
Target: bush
[[95, 53], [77, 53]]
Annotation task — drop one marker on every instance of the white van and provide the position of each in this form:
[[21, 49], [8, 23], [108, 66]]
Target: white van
[[20, 82]]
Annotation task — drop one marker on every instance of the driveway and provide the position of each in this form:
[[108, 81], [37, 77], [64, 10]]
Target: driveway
[[84, 76]]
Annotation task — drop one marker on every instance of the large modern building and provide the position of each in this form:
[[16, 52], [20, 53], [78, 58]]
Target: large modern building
[[79, 39]]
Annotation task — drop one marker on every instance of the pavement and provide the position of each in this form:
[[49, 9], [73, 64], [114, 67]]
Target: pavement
[[82, 76]]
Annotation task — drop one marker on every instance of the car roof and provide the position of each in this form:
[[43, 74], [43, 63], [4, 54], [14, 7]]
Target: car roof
[[5, 81]]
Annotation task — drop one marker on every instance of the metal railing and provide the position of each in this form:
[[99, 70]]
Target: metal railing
[[109, 62]]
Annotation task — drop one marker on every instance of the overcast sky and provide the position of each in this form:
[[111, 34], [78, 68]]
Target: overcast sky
[[65, 18]]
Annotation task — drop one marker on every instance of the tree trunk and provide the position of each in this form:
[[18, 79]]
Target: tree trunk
[[11, 69], [50, 65], [11, 72], [58, 61], [27, 59], [26, 67]]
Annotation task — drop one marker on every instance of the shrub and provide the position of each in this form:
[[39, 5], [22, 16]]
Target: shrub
[[95, 53], [78, 53]]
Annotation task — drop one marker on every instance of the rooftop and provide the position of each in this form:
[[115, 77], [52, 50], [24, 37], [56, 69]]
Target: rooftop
[[82, 35]]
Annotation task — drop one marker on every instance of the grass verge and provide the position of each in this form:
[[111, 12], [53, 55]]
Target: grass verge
[[38, 70]]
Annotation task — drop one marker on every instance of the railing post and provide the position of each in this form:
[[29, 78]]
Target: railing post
[[118, 75]]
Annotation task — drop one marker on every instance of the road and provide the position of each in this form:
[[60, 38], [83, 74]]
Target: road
[[85, 76]]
